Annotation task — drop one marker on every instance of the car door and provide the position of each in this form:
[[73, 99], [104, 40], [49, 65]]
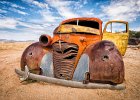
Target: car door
[[117, 32]]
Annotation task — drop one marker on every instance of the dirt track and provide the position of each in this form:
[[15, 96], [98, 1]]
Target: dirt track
[[12, 89]]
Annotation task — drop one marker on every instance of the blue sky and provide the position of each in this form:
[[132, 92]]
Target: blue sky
[[28, 19]]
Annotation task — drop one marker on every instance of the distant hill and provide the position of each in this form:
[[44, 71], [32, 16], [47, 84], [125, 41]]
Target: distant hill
[[5, 40]]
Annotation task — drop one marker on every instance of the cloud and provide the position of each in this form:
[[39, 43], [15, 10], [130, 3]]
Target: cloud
[[85, 1], [36, 3], [8, 23], [12, 23], [13, 7], [18, 11], [12, 4], [17, 6], [89, 13], [79, 4], [63, 8], [70, 8], [34, 28], [39, 4], [29, 31], [3, 11], [19, 36], [48, 16], [23, 30], [127, 10]]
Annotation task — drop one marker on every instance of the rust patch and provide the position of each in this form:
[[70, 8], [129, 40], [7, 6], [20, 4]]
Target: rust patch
[[106, 63], [32, 57]]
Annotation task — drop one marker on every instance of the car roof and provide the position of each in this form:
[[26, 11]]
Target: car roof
[[82, 19]]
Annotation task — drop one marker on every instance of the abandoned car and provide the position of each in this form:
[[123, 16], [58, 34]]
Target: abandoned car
[[80, 51]]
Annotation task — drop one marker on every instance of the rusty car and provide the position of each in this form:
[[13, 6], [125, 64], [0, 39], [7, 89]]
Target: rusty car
[[79, 54]]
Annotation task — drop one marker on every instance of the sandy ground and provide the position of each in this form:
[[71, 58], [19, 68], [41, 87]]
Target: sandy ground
[[12, 89]]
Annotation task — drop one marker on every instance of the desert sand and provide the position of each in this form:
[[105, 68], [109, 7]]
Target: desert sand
[[11, 87]]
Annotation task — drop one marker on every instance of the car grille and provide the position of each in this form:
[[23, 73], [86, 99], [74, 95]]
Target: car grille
[[64, 56]]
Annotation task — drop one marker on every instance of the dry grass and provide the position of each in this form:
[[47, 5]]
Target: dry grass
[[13, 45]]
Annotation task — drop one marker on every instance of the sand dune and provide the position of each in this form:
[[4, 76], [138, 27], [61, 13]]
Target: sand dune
[[12, 89]]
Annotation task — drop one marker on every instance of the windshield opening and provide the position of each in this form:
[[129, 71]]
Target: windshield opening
[[91, 24]]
